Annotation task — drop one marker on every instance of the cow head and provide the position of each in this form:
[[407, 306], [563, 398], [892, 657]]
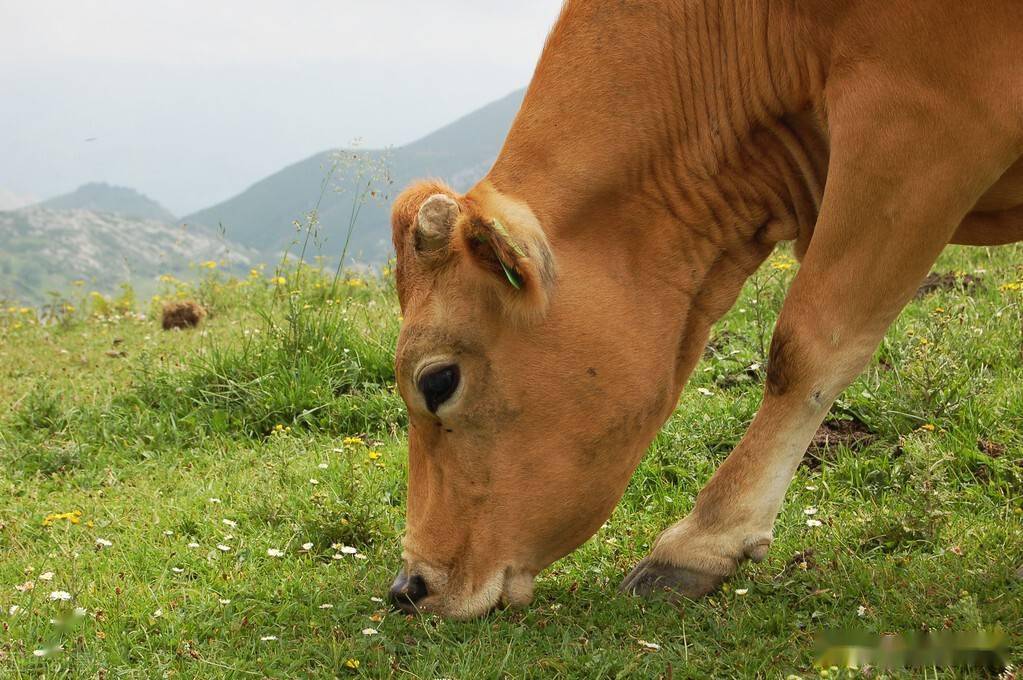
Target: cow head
[[530, 390]]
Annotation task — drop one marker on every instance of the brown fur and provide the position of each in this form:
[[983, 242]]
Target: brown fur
[[662, 150], [182, 315]]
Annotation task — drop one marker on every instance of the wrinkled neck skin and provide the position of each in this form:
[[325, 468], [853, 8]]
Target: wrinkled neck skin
[[676, 177]]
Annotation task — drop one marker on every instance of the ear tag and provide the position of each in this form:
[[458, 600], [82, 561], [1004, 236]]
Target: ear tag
[[513, 278]]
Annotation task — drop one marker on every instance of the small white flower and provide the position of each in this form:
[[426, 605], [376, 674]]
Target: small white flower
[[314, 481], [360, 556], [231, 523], [61, 595], [741, 591], [223, 548], [813, 522], [224, 600], [158, 613], [326, 606], [861, 611], [337, 556], [274, 552], [46, 576], [103, 543], [177, 570], [25, 587], [268, 638], [348, 550], [705, 392], [39, 652], [810, 511], [370, 631], [307, 546], [376, 599], [168, 532], [81, 612], [215, 501], [323, 466], [193, 544], [810, 487], [652, 646], [13, 610]]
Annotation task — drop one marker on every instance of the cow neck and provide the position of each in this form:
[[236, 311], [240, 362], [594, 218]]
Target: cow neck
[[699, 107]]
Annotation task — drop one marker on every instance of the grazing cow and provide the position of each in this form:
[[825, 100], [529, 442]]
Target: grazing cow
[[664, 147]]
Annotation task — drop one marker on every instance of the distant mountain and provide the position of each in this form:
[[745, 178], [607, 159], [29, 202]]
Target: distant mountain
[[102, 197], [42, 249], [263, 216], [12, 201]]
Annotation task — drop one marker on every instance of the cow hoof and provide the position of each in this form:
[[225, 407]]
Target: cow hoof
[[652, 578]]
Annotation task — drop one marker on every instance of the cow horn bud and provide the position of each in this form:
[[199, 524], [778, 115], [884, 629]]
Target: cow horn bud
[[436, 219]]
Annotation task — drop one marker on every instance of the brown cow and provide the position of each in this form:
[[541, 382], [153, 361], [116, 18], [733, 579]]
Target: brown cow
[[553, 312]]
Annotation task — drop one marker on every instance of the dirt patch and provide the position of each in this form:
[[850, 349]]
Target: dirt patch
[[186, 314], [801, 561], [851, 433], [936, 282], [993, 449]]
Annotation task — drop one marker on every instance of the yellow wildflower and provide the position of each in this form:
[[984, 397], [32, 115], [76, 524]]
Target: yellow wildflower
[[209, 264], [356, 283], [928, 427], [278, 280], [783, 263], [74, 517], [352, 441], [373, 455], [352, 663]]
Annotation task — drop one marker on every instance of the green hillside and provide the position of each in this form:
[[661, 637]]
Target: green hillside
[[263, 216], [106, 198]]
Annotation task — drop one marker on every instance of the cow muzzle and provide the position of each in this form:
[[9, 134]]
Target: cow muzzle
[[414, 592]]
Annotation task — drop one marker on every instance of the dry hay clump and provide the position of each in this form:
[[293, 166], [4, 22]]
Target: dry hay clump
[[184, 314]]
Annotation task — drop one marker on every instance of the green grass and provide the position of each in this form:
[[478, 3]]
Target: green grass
[[277, 425]]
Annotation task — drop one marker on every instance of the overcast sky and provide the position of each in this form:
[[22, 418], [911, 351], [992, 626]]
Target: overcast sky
[[191, 101]]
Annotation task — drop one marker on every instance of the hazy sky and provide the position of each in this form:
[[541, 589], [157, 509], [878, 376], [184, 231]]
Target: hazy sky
[[191, 101]]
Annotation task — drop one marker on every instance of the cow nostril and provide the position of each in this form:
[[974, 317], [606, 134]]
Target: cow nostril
[[438, 385], [407, 590]]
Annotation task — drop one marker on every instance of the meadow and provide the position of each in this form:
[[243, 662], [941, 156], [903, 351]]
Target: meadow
[[227, 501]]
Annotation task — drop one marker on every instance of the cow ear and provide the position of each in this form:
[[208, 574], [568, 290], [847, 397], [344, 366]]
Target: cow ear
[[514, 258]]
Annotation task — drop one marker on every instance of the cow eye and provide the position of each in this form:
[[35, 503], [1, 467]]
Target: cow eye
[[438, 385]]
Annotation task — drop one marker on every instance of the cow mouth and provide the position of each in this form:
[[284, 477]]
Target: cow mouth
[[507, 588]]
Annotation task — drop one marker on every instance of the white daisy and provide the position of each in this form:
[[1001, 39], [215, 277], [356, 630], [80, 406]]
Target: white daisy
[[652, 646], [103, 543], [231, 523], [46, 576], [813, 522], [370, 631], [223, 548], [61, 595], [274, 552]]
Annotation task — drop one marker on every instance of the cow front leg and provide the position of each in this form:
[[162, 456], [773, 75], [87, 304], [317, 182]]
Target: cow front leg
[[892, 202]]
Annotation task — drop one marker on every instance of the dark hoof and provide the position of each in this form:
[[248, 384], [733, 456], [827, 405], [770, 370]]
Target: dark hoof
[[650, 578]]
